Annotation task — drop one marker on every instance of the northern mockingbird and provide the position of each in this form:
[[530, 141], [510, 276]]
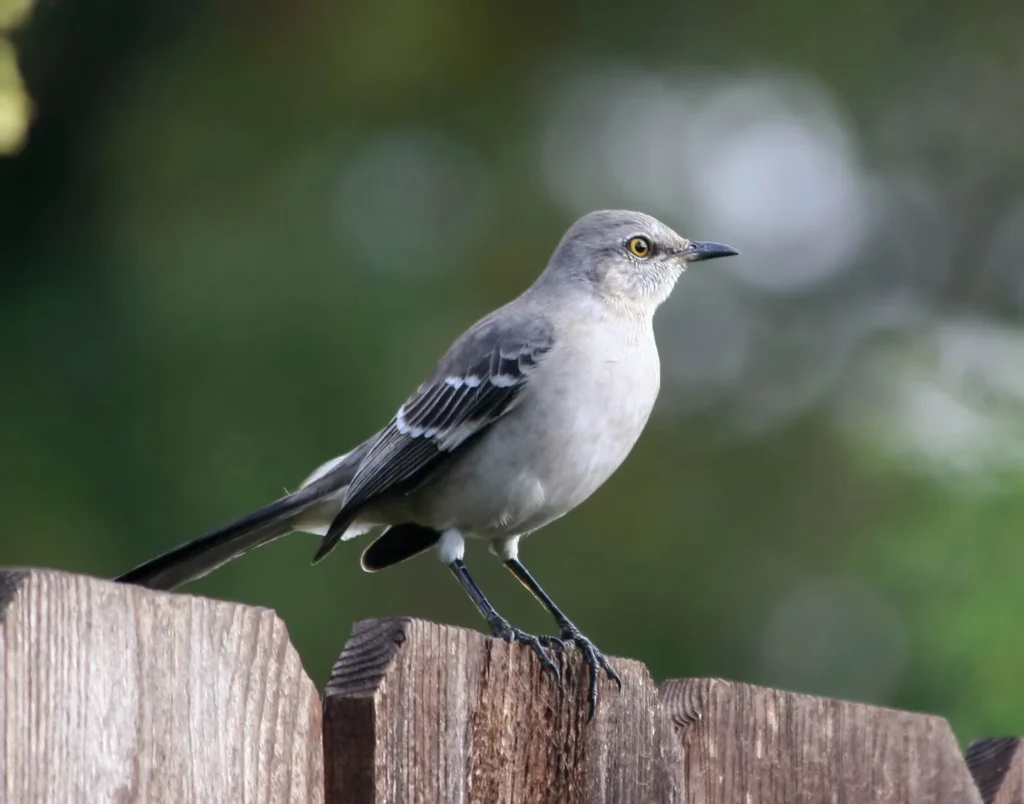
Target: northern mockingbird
[[527, 414]]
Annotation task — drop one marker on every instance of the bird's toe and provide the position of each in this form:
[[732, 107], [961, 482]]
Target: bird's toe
[[596, 662], [510, 633]]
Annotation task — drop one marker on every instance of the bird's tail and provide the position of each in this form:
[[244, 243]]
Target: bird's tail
[[198, 557]]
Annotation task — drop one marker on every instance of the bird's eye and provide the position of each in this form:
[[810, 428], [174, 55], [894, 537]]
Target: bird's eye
[[639, 247]]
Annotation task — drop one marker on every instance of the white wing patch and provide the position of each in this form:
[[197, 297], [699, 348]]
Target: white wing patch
[[469, 381], [476, 383], [449, 437], [411, 430]]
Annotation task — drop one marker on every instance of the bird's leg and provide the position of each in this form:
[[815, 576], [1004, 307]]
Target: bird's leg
[[568, 632], [500, 627]]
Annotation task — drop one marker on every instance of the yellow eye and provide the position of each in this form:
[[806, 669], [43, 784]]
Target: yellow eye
[[639, 247]]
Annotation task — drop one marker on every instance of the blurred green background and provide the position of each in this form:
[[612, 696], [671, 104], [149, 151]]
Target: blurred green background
[[236, 235]]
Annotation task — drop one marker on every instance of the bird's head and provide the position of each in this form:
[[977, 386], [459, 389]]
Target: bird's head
[[628, 258]]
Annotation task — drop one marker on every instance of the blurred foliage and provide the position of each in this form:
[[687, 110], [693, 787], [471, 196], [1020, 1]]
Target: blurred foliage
[[239, 234], [15, 106]]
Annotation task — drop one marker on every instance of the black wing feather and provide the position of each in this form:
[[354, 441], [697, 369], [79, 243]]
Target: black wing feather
[[474, 385]]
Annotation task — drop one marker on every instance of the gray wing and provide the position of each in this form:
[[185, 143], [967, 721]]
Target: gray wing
[[476, 383]]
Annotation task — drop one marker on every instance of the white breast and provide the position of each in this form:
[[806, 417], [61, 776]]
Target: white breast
[[577, 421], [602, 410]]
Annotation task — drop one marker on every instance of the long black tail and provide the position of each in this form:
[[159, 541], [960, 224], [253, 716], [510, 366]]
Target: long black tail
[[203, 555]]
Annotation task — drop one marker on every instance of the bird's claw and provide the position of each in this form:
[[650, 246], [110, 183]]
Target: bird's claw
[[503, 630], [553, 643], [594, 658], [570, 636]]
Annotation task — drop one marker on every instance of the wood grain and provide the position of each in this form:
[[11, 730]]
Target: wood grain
[[725, 742], [997, 765], [115, 693], [421, 712]]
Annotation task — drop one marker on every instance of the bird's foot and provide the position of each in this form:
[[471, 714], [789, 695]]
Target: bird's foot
[[503, 630], [596, 661]]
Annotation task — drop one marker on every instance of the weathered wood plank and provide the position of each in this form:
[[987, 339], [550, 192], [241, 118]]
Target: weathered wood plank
[[115, 693], [725, 742], [997, 765], [421, 712]]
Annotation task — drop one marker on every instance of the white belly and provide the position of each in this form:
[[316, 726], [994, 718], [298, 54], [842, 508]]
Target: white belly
[[567, 436]]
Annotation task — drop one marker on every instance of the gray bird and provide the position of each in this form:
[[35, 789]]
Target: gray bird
[[528, 413]]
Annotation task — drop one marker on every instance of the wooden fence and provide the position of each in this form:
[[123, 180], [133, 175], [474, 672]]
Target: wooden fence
[[114, 693]]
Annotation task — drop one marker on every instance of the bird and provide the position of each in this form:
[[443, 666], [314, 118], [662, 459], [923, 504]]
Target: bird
[[524, 417]]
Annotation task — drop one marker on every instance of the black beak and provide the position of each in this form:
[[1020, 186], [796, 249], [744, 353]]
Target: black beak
[[706, 250]]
